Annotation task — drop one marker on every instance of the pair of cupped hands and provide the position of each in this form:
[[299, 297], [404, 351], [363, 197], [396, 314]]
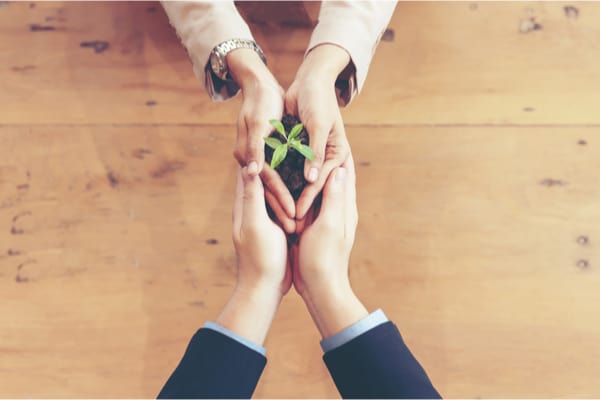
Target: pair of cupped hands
[[312, 98], [317, 263]]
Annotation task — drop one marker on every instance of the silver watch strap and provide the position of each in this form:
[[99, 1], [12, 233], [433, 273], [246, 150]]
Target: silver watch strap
[[217, 80], [232, 44]]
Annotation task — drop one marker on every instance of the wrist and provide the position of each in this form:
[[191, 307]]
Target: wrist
[[325, 62], [333, 307], [250, 311], [263, 293], [246, 67]]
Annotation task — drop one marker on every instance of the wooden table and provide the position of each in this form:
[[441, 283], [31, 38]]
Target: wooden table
[[478, 160]]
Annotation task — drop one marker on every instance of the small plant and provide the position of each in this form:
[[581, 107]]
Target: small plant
[[287, 152], [292, 141]]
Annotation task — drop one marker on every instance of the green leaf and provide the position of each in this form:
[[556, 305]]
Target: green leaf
[[272, 142], [295, 131], [304, 150], [296, 144], [279, 155], [278, 126]]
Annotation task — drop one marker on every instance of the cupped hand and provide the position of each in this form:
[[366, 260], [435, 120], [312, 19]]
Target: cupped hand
[[260, 244], [320, 259], [313, 99], [262, 101]]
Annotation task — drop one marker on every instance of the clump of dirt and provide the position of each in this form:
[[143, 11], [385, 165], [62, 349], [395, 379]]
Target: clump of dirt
[[291, 168]]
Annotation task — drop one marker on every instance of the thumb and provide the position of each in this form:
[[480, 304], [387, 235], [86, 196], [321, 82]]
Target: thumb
[[255, 149], [318, 143], [333, 207]]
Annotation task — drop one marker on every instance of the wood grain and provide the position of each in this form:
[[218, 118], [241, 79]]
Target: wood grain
[[108, 264], [477, 151], [449, 63]]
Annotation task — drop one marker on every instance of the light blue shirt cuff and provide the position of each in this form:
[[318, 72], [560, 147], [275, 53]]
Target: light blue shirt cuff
[[218, 328], [353, 331]]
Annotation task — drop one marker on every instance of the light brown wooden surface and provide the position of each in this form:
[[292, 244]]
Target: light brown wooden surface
[[449, 64], [479, 223]]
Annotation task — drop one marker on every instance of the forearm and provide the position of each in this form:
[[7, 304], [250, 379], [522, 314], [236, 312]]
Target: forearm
[[378, 364], [226, 360], [215, 365], [250, 312], [333, 308]]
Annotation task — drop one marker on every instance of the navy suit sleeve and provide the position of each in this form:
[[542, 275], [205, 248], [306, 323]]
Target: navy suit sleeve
[[377, 364], [215, 366]]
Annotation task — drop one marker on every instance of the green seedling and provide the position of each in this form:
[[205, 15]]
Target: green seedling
[[292, 141]]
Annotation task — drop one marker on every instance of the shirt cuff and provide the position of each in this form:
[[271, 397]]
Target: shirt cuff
[[217, 88], [353, 331], [253, 346]]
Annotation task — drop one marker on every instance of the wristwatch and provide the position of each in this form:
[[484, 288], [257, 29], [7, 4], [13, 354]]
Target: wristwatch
[[218, 56]]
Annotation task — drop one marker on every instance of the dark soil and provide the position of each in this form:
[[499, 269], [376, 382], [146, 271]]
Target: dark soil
[[291, 169]]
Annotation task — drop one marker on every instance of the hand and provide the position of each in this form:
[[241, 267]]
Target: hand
[[320, 260], [262, 101], [261, 246], [263, 276], [312, 98]]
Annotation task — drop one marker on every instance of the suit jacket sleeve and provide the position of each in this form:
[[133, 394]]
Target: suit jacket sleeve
[[357, 27], [215, 366], [377, 364]]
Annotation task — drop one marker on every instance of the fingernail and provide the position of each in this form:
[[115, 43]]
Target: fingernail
[[340, 175], [252, 168], [313, 174]]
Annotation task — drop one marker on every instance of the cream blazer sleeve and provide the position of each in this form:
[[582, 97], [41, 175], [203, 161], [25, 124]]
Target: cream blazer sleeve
[[357, 27], [202, 25]]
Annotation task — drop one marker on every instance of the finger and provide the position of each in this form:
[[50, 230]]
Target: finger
[[311, 191], [303, 223], [255, 145], [351, 209], [239, 152], [253, 207], [293, 260], [318, 135], [238, 203], [334, 199], [238, 155], [308, 219], [287, 224], [275, 185], [348, 164]]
